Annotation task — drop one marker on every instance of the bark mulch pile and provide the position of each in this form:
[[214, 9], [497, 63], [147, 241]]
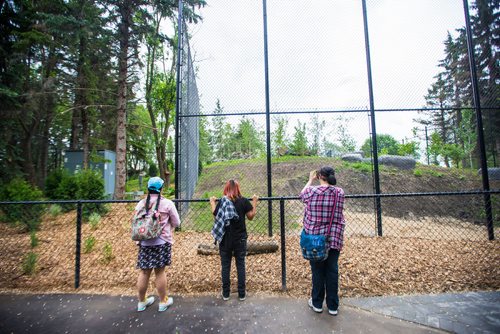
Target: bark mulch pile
[[369, 266]]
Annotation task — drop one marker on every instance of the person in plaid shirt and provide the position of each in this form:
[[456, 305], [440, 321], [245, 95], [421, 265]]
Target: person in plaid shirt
[[320, 203]]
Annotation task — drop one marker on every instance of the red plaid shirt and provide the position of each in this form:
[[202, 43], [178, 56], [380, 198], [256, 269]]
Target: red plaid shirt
[[319, 203]]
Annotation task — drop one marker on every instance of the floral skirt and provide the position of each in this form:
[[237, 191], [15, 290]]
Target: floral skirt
[[154, 256]]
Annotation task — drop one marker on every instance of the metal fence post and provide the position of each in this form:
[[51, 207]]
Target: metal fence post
[[268, 125], [283, 248], [178, 101], [479, 121], [374, 130], [78, 243]]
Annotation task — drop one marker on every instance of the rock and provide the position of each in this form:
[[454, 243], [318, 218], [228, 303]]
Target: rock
[[352, 157], [397, 161], [493, 173]]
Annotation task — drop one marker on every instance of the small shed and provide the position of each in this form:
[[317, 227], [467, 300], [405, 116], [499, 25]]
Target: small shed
[[105, 163]]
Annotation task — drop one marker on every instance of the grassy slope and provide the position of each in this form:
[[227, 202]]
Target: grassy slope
[[289, 174]]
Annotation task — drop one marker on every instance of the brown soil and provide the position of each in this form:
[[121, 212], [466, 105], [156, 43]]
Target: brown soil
[[290, 175], [407, 260]]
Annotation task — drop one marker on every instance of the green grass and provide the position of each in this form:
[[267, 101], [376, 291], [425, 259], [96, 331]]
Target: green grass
[[33, 239], [94, 220], [55, 210], [88, 244], [107, 253], [419, 172], [363, 167], [29, 263]]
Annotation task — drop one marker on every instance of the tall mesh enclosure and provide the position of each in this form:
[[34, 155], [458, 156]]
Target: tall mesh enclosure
[[189, 126]]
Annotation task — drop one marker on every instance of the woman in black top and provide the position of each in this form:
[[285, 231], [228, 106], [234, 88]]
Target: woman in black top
[[234, 240]]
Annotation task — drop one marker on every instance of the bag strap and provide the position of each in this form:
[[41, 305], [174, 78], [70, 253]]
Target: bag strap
[[333, 214]]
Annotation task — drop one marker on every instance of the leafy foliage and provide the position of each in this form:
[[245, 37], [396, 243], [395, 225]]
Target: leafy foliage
[[29, 263], [299, 144], [28, 215], [88, 244]]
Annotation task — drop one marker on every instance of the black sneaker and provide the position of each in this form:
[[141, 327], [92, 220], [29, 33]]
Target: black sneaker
[[225, 297], [242, 296]]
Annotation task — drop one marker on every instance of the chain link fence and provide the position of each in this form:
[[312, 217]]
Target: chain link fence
[[188, 136], [268, 125], [429, 249]]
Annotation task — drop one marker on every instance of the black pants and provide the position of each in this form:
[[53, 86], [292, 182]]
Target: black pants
[[325, 276], [227, 249]]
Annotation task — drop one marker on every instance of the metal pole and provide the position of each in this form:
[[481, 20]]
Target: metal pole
[[178, 101], [283, 248], [268, 126], [374, 130], [78, 243], [479, 120], [427, 145]]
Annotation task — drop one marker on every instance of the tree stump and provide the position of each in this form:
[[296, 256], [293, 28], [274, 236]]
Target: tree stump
[[253, 248]]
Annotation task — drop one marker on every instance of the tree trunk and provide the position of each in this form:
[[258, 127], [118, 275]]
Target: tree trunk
[[48, 106], [121, 117], [444, 136], [160, 142], [252, 248], [27, 165], [75, 129]]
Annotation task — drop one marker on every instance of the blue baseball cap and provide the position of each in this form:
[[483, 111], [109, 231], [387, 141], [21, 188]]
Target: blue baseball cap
[[155, 183]]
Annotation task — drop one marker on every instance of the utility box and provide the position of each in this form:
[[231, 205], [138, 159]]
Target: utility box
[[105, 163]]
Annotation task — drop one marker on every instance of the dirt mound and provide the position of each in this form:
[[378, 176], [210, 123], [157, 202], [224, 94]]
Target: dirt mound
[[290, 174]]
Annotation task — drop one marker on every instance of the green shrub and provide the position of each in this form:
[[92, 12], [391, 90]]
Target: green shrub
[[107, 252], [55, 210], [29, 263], [29, 215], [88, 244], [53, 181], [67, 191], [33, 239], [90, 184], [436, 173], [153, 170], [86, 184], [418, 173], [94, 220]]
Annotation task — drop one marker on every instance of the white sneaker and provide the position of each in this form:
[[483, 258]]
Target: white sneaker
[[164, 306], [315, 309], [141, 306], [333, 312]]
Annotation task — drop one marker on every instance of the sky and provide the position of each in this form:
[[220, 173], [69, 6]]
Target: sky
[[317, 58]]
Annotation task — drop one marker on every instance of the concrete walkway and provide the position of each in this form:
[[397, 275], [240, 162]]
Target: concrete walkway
[[473, 312], [72, 313]]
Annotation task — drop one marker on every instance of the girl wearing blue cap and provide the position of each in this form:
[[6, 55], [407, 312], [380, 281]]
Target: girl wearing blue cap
[[156, 253]]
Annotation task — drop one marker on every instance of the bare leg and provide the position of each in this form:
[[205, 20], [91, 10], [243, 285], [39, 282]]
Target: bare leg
[[161, 283], [142, 283]]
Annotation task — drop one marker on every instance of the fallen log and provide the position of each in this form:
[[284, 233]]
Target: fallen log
[[253, 248]]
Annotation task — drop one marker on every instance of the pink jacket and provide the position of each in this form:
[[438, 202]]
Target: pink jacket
[[169, 220]]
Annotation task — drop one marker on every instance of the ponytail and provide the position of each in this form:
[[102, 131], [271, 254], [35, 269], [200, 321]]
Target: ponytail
[[331, 180], [328, 174]]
